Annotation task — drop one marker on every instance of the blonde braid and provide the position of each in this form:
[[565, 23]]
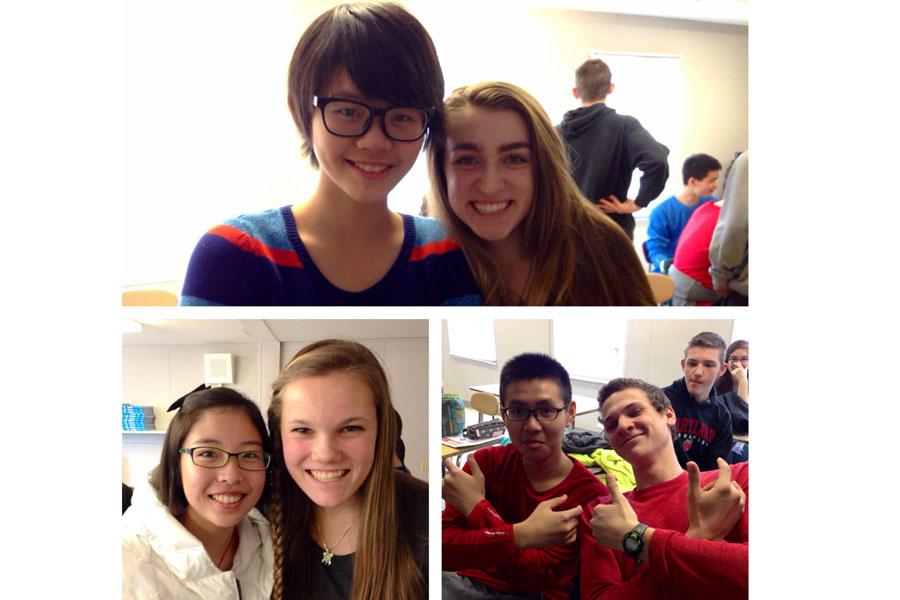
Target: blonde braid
[[276, 518]]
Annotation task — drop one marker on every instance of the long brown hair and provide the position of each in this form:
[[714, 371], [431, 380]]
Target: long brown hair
[[384, 565], [578, 255]]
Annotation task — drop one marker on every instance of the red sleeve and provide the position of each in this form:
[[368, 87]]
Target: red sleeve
[[676, 563], [481, 541], [485, 541], [601, 574], [719, 568], [677, 566]]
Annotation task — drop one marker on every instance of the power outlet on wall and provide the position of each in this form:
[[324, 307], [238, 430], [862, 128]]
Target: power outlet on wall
[[424, 466]]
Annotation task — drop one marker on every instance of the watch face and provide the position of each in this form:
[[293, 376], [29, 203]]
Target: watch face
[[630, 544]]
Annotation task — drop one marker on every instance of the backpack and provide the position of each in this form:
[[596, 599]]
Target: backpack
[[453, 414]]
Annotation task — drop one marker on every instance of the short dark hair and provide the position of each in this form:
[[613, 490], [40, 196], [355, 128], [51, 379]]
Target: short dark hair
[[387, 53], [592, 79], [698, 166], [532, 365], [166, 477], [656, 396], [708, 339]]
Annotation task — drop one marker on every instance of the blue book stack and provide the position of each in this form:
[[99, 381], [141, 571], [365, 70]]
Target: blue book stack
[[138, 418]]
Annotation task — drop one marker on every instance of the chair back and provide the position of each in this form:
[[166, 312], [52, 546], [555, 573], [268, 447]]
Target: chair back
[[485, 404], [662, 286], [149, 298]]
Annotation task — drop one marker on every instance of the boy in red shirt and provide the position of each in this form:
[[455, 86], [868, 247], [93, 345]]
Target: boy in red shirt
[[679, 534], [510, 525]]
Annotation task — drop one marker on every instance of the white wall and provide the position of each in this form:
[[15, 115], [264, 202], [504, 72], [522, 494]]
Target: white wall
[[540, 48], [208, 133], [653, 351], [158, 375]]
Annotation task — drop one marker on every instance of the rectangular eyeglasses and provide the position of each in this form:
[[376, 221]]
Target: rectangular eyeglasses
[[350, 118], [215, 458]]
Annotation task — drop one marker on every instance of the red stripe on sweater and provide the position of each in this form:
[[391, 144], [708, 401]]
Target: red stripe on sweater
[[248, 243], [441, 247]]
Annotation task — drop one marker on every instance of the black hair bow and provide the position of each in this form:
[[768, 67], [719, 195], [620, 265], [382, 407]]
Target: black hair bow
[[180, 402]]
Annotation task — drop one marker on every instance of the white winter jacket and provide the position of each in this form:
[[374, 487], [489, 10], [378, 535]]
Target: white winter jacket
[[163, 560]]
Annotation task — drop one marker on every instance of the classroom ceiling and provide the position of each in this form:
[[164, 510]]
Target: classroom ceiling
[[731, 12], [184, 332]]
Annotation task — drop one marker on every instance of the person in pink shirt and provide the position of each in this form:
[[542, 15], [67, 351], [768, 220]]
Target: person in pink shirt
[[690, 267]]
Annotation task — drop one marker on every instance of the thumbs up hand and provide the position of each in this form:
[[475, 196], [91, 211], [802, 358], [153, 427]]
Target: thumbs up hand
[[611, 522], [461, 490]]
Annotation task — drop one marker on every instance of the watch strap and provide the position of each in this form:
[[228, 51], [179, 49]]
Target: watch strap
[[636, 536]]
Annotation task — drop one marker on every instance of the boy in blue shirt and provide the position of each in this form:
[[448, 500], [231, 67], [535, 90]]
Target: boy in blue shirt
[[700, 174]]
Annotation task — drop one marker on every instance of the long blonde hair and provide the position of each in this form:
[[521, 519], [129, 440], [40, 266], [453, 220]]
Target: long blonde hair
[[384, 566], [578, 255]]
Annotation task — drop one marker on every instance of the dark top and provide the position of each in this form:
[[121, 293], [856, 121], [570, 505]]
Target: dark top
[[330, 582], [739, 409], [740, 413], [604, 150], [702, 431], [334, 581]]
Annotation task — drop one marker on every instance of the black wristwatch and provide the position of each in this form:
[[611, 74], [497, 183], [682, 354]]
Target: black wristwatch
[[633, 542]]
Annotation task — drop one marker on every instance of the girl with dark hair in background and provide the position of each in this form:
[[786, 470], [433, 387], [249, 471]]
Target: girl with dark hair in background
[[501, 182], [201, 536], [345, 523], [364, 88], [737, 379]]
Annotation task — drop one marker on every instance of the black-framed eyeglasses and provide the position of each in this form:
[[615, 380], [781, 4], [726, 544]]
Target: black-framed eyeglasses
[[215, 458], [544, 413], [349, 118]]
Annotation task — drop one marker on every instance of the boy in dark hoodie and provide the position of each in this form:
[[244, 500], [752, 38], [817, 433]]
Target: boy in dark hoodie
[[605, 148]]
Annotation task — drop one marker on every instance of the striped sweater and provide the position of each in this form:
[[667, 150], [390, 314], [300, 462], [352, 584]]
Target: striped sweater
[[259, 259]]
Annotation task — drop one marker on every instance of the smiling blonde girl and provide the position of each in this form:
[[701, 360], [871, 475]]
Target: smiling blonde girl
[[345, 523], [503, 162]]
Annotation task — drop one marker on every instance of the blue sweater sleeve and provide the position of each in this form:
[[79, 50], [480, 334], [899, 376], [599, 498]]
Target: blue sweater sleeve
[[235, 264], [660, 236]]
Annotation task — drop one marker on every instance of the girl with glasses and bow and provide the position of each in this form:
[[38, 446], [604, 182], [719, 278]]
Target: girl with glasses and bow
[[198, 533], [365, 90], [345, 523]]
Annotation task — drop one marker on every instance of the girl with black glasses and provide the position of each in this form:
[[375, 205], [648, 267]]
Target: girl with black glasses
[[198, 534], [365, 90]]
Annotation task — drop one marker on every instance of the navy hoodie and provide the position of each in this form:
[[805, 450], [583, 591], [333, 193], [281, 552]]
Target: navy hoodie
[[604, 150], [702, 431]]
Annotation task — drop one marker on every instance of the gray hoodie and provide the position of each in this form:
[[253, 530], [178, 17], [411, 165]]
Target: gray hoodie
[[729, 248]]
